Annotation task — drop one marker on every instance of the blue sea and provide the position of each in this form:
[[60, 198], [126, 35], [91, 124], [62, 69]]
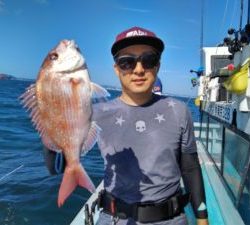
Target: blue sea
[[28, 193]]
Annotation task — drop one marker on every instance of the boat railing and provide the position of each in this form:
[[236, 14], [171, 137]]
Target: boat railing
[[228, 150]]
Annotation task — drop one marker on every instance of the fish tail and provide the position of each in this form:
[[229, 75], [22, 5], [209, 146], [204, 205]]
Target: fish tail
[[73, 176]]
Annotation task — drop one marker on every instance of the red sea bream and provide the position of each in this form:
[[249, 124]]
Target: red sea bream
[[60, 104]]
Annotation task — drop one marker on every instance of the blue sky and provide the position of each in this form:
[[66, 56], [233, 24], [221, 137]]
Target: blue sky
[[30, 28]]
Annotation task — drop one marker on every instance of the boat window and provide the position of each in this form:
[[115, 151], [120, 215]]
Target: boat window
[[215, 141], [244, 204], [219, 61], [235, 160], [203, 130]]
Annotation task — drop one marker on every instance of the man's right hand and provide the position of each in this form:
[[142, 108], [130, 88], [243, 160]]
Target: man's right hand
[[202, 222]]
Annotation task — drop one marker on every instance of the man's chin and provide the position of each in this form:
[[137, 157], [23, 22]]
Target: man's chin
[[140, 89]]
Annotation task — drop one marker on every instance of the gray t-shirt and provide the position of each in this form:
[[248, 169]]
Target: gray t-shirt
[[141, 146]]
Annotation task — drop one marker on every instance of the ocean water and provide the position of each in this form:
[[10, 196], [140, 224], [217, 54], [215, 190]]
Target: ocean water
[[28, 193]]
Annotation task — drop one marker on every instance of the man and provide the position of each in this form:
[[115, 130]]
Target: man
[[147, 143], [157, 88]]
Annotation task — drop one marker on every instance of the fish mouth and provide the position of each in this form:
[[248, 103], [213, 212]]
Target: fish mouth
[[71, 59], [82, 67], [68, 43], [75, 62]]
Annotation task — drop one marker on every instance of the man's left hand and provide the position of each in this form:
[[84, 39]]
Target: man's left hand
[[202, 221]]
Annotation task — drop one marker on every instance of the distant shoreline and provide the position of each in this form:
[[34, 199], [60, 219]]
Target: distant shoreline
[[6, 77], [11, 77], [108, 87]]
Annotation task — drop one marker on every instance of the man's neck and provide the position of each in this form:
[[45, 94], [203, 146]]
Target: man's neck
[[136, 99]]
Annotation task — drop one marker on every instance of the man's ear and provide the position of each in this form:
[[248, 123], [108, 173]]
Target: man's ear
[[116, 69]]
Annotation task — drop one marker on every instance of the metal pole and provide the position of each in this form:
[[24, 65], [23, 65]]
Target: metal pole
[[248, 16], [241, 13], [202, 30]]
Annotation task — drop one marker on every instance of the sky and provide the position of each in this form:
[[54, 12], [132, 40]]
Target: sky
[[29, 29]]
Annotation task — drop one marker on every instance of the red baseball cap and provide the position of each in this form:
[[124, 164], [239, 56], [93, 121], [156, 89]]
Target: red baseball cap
[[136, 35]]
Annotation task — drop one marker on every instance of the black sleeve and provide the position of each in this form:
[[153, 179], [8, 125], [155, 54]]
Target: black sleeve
[[192, 178], [54, 161]]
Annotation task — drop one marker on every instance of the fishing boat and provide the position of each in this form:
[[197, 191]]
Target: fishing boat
[[224, 131], [223, 139]]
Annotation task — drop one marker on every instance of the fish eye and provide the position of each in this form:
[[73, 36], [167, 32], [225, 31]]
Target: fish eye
[[53, 56]]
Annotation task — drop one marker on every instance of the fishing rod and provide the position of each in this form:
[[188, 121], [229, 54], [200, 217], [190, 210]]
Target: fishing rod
[[202, 31], [239, 38], [11, 172], [241, 13], [200, 70], [248, 12]]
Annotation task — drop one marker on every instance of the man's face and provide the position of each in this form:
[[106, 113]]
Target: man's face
[[137, 76]]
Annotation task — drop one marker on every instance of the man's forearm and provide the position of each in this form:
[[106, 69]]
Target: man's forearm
[[192, 177]]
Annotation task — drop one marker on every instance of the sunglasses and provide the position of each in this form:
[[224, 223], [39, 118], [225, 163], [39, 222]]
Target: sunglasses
[[128, 62]]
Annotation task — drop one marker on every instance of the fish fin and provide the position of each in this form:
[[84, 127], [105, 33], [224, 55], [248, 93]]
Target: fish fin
[[91, 139], [98, 92], [29, 101], [73, 176], [28, 98]]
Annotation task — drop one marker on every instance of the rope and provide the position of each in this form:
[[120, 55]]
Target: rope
[[233, 14], [223, 21], [224, 17]]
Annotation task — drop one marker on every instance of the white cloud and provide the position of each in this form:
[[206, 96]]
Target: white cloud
[[18, 12], [134, 10], [165, 71], [193, 21], [42, 2], [1, 5]]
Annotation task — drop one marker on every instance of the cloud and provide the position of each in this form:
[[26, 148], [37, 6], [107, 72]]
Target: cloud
[[42, 2], [174, 46], [1, 5], [133, 10], [18, 12], [165, 71], [193, 21]]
